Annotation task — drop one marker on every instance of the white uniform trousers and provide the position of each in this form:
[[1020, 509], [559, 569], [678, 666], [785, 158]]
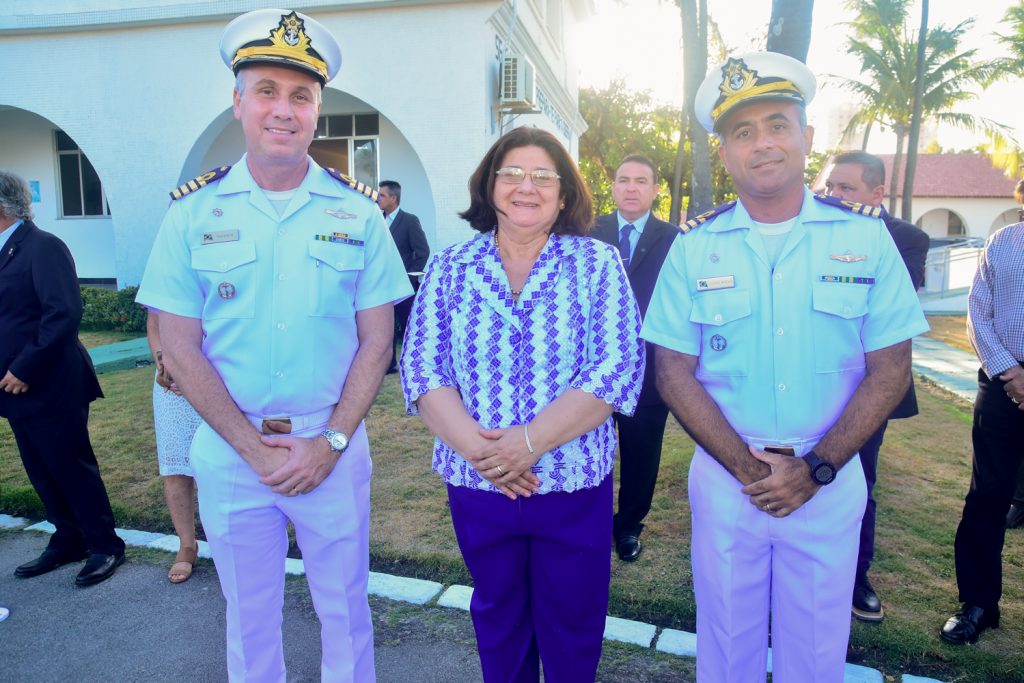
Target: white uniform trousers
[[245, 523], [801, 566]]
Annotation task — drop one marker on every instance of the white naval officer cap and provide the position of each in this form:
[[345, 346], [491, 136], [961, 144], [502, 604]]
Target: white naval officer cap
[[281, 37], [752, 77]]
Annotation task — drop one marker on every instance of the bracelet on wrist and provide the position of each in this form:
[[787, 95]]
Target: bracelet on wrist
[[526, 433]]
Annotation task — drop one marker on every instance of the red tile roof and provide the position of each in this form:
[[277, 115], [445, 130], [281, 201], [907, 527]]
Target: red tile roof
[[954, 175]]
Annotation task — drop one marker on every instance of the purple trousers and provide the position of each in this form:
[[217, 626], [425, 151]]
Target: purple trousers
[[541, 568]]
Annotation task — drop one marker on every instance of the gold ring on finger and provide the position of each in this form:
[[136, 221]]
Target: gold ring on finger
[[501, 471]]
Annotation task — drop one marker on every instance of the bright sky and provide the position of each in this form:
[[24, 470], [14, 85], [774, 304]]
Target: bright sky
[[640, 41]]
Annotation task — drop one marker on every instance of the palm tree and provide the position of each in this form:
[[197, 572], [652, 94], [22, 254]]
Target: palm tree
[[887, 49], [694, 16], [1014, 42], [789, 29]]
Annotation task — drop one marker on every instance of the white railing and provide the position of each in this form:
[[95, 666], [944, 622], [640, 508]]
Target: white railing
[[950, 268]]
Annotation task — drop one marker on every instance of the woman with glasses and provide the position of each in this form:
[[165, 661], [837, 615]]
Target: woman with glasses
[[521, 343]]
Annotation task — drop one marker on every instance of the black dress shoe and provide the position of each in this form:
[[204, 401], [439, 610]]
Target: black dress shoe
[[1015, 517], [966, 625], [47, 562], [98, 568], [628, 547], [866, 605]]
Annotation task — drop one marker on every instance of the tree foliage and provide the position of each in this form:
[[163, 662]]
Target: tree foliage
[[887, 49], [622, 122], [1014, 40]]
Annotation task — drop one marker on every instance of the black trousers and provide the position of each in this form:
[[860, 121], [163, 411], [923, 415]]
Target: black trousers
[[61, 465], [402, 311], [640, 439], [869, 461], [998, 437]]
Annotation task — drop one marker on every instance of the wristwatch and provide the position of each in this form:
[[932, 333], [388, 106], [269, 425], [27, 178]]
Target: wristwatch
[[337, 440], [822, 471]]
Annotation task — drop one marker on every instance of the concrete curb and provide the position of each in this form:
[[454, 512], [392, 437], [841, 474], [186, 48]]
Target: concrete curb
[[421, 592]]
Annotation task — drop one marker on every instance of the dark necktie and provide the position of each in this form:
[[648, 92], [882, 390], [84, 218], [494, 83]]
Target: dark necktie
[[626, 231]]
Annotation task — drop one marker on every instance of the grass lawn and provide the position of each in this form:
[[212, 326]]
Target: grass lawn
[[950, 329], [93, 338], [923, 475]]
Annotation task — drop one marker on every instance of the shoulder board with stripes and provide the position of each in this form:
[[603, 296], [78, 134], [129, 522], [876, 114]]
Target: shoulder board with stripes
[[855, 207], [352, 183], [199, 181], [697, 221]]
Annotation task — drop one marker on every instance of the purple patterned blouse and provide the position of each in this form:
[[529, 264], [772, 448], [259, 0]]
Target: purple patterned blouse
[[575, 325]]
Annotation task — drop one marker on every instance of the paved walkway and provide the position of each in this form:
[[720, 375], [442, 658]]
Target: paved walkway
[[153, 631]]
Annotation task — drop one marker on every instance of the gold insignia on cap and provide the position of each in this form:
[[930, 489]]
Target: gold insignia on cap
[[288, 43], [739, 82]]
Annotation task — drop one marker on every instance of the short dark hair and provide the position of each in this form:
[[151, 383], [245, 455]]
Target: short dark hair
[[1018, 191], [639, 159], [394, 188], [873, 173], [574, 219]]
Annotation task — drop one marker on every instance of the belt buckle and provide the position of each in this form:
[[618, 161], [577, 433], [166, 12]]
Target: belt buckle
[[780, 450], [276, 425]]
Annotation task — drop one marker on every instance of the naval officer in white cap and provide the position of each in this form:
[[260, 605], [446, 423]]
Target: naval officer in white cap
[[782, 325], [275, 280]]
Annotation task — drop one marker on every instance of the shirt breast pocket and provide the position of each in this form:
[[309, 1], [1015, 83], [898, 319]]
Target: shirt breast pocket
[[839, 311], [334, 268], [727, 327], [228, 273]]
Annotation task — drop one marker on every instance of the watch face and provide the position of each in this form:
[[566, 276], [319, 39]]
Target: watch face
[[338, 441], [824, 474]]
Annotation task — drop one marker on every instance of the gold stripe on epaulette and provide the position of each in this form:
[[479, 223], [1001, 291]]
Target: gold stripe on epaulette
[[199, 182], [353, 184], [697, 221]]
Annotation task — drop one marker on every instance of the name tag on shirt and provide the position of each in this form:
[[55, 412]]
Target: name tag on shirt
[[220, 236], [706, 284]]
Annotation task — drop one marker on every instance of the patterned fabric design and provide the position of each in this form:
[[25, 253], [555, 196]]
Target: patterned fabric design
[[175, 423], [995, 321], [576, 325]]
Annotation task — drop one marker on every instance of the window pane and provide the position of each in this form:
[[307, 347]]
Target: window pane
[[70, 192], [339, 126], [64, 142], [92, 189], [367, 124], [366, 162], [321, 127], [330, 154]]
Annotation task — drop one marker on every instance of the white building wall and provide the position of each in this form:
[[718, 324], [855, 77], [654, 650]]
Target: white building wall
[[144, 99], [91, 240], [979, 215]]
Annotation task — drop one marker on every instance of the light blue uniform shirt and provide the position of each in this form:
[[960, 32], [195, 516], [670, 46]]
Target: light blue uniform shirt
[[277, 305], [782, 350]]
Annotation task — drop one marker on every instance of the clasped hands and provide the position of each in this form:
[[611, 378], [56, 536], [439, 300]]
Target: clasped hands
[[503, 458], [786, 487], [293, 465], [1014, 387]]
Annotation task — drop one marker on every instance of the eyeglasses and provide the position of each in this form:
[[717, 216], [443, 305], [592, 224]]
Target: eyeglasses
[[513, 175]]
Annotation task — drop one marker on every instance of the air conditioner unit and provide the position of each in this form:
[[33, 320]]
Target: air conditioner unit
[[517, 88]]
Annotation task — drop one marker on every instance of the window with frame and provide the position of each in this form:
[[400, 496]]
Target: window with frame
[[81, 192], [349, 143]]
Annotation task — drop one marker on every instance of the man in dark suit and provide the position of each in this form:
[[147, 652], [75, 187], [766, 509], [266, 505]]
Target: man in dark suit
[[643, 243], [860, 177], [46, 384], [412, 245]]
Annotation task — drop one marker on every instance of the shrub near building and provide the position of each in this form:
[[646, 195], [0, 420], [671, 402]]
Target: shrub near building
[[105, 309]]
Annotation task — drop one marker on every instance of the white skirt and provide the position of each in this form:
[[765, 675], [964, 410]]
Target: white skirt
[[175, 422]]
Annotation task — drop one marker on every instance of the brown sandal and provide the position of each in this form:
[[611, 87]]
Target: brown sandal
[[181, 570]]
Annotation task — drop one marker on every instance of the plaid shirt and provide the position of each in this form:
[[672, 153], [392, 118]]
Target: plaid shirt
[[995, 321]]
